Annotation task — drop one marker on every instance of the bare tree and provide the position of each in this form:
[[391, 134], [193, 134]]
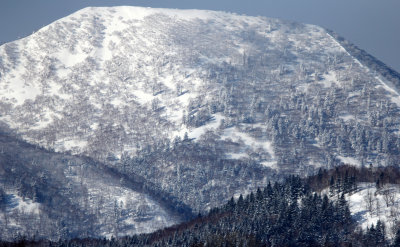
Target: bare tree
[[392, 197], [369, 201], [394, 212], [377, 207], [386, 192]]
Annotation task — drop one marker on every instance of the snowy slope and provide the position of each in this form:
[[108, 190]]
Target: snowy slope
[[102, 62], [19, 215], [368, 205], [111, 69]]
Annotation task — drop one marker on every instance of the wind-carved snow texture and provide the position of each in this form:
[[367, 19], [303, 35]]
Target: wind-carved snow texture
[[257, 97]]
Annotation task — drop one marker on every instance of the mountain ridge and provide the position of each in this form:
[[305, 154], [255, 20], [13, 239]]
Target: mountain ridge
[[203, 105]]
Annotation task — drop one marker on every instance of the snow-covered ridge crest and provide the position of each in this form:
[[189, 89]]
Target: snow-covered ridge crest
[[124, 13], [134, 12]]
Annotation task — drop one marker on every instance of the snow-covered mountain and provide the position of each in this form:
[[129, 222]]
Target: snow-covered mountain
[[257, 97]]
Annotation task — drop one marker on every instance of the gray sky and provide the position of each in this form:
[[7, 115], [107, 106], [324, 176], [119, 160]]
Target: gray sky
[[373, 25]]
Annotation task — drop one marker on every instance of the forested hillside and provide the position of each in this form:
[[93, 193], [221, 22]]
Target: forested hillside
[[289, 213]]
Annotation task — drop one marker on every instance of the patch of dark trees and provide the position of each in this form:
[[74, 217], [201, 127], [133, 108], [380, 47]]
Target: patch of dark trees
[[351, 175]]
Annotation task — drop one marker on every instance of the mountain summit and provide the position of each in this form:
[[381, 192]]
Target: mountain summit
[[203, 105]]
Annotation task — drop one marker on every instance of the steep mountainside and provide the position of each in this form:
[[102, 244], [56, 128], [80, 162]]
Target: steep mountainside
[[258, 98]]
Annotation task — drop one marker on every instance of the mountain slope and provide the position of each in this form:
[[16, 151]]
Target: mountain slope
[[259, 98], [73, 81]]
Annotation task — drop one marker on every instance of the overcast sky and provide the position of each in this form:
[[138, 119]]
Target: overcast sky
[[373, 25]]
